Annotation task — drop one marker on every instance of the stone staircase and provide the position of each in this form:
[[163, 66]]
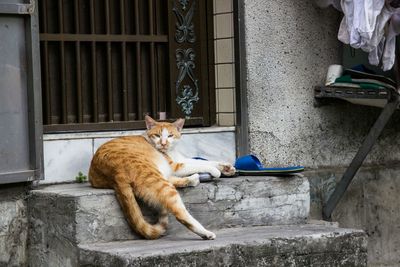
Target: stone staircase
[[259, 221]]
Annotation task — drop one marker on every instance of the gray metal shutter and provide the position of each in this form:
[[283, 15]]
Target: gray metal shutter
[[21, 145]]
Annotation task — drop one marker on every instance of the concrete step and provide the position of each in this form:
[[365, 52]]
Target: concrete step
[[78, 213], [305, 245]]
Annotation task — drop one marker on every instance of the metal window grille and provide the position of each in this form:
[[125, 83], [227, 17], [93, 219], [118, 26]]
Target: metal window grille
[[106, 63]]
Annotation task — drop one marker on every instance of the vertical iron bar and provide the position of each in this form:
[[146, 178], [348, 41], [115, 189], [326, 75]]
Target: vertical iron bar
[[159, 63], [124, 84], [46, 64], [94, 69], [124, 75], [138, 61], [109, 62], [172, 73], [47, 79], [78, 65], [62, 62], [156, 19], [78, 81], [154, 97]]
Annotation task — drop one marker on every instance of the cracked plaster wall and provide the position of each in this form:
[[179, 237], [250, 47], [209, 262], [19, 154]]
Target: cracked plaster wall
[[289, 46]]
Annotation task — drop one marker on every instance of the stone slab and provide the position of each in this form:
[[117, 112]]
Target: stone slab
[[305, 245], [82, 214]]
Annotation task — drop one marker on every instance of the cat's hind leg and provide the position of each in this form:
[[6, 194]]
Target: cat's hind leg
[[163, 193], [163, 218], [177, 208], [134, 215]]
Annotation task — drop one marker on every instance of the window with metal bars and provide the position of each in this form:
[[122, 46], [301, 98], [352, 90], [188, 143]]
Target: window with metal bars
[[107, 63]]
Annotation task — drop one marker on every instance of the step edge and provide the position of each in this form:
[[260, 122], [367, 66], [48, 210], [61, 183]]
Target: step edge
[[334, 231]]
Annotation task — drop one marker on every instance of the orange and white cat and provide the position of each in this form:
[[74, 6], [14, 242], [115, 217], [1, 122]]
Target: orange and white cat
[[148, 167]]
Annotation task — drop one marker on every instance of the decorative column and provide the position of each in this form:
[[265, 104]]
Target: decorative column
[[186, 84]]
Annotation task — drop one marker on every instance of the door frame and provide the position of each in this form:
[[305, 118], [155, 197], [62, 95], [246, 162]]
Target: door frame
[[242, 120]]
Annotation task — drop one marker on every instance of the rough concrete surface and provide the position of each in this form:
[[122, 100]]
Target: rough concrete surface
[[52, 228], [61, 216], [307, 245], [371, 203], [289, 46], [13, 225], [97, 216]]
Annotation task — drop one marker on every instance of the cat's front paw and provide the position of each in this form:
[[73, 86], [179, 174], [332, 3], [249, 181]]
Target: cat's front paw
[[194, 180], [215, 173], [226, 169], [209, 235]]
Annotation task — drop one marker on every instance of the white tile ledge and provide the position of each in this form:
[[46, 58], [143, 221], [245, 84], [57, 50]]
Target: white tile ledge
[[113, 134]]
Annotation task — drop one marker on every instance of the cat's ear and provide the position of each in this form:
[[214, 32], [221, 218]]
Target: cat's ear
[[150, 123], [179, 124]]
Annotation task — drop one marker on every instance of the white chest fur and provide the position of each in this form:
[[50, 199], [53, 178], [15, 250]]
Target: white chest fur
[[163, 166], [176, 156]]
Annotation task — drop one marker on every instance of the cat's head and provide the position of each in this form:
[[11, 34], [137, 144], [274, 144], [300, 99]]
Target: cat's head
[[163, 135]]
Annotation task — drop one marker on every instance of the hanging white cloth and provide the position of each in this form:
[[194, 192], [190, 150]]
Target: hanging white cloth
[[379, 31], [389, 53], [371, 25], [359, 21]]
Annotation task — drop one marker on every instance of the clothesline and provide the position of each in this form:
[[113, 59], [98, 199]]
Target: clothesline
[[370, 25]]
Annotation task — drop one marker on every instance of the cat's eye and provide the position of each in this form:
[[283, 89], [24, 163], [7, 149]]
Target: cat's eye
[[157, 135], [171, 135]]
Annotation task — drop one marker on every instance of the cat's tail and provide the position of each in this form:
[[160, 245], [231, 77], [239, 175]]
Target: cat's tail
[[134, 215]]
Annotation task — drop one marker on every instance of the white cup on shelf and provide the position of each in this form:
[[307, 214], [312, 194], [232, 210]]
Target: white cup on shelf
[[334, 72]]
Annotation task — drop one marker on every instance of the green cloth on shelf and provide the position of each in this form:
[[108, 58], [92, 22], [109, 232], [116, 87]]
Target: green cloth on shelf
[[363, 83]]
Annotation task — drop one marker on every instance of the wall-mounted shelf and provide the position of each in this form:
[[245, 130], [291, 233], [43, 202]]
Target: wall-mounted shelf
[[358, 96]]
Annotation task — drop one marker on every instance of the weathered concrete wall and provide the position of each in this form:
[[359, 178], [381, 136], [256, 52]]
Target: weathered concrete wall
[[371, 203], [13, 225], [289, 46]]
